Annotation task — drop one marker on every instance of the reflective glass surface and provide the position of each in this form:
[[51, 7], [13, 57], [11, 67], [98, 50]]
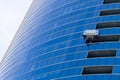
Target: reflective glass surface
[[49, 44]]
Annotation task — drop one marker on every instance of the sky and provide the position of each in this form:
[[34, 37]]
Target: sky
[[12, 13]]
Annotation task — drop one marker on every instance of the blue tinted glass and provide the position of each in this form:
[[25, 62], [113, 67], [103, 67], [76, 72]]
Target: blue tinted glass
[[51, 44]]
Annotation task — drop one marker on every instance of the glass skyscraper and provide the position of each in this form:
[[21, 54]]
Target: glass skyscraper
[[57, 41]]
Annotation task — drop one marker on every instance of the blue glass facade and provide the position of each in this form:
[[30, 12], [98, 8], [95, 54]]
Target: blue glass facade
[[49, 44]]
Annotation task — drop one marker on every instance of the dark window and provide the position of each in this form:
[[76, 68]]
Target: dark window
[[97, 70], [108, 25], [101, 53], [111, 1], [106, 38], [99, 39], [110, 12]]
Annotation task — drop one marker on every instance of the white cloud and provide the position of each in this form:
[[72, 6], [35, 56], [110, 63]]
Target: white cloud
[[12, 13]]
